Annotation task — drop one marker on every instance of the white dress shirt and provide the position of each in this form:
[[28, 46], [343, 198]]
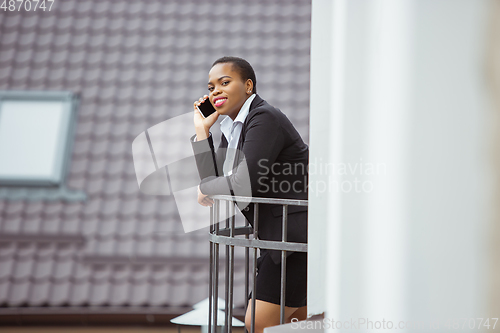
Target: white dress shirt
[[232, 130]]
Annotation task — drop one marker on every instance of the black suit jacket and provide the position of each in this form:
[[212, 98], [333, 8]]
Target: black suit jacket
[[276, 163]]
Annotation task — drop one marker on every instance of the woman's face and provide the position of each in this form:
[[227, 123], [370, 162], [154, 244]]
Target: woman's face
[[227, 91]]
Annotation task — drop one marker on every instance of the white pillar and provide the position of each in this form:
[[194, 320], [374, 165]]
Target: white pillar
[[397, 83]]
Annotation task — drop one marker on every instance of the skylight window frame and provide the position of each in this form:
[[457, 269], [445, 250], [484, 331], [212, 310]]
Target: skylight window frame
[[70, 102]]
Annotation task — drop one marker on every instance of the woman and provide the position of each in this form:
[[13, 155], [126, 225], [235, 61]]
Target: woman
[[276, 164]]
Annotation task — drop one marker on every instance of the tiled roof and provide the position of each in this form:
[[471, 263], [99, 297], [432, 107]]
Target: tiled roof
[[134, 64]]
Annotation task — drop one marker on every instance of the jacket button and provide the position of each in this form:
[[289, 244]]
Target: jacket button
[[246, 209]]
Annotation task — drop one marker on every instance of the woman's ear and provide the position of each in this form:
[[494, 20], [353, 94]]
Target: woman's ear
[[249, 86]]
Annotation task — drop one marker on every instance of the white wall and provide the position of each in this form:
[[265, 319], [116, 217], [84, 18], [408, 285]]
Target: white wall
[[398, 83]]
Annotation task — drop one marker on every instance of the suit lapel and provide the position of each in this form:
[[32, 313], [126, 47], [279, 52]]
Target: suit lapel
[[257, 101]]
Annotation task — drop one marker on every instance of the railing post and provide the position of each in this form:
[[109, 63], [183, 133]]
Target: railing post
[[226, 280], [229, 309], [247, 263], [211, 270], [254, 281], [216, 268], [283, 265]]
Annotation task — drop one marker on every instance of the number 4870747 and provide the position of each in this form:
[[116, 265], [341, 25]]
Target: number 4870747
[[27, 5]]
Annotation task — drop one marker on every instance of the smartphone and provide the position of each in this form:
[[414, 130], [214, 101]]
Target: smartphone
[[206, 108]]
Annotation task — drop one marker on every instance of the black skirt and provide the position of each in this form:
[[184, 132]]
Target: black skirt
[[269, 279]]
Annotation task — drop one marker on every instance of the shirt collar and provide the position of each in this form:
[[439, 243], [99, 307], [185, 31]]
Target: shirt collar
[[227, 124]]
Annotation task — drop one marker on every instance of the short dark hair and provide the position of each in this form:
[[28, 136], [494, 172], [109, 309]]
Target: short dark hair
[[242, 66]]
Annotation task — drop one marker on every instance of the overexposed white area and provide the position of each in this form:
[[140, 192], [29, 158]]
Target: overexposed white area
[[32, 137], [164, 164], [399, 83], [170, 139], [326, 99], [193, 216], [199, 316]]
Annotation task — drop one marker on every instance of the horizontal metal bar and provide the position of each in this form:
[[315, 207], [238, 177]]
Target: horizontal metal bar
[[258, 243], [237, 231], [293, 202]]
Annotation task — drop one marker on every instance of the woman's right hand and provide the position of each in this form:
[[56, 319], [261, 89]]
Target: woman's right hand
[[203, 199], [202, 125]]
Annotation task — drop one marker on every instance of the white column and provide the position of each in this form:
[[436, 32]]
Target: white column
[[325, 147], [396, 84], [388, 146]]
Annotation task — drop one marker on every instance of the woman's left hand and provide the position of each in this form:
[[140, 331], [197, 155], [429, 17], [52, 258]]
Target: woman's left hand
[[203, 199]]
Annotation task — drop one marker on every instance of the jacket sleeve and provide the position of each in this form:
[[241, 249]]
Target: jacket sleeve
[[205, 156], [263, 143]]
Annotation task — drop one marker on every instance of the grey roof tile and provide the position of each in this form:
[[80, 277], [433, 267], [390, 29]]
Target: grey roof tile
[[118, 9], [147, 206], [112, 188], [81, 273], [121, 273], [125, 247], [44, 41], [73, 209], [66, 251], [14, 208], [89, 227], [144, 248], [25, 250], [100, 273], [79, 293], [9, 38], [33, 225], [4, 291], [163, 248], [23, 269], [43, 269], [33, 209], [12, 224], [52, 209], [105, 246], [100, 8], [145, 228], [95, 184], [70, 225], [11, 21], [81, 23], [107, 228], [110, 207], [50, 225], [84, 9], [45, 250], [126, 227], [63, 270], [6, 267], [119, 293], [159, 293], [40, 292], [81, 148], [59, 293], [18, 293], [139, 293], [23, 57]]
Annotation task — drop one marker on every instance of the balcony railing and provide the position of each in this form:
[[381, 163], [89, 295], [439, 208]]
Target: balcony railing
[[227, 236]]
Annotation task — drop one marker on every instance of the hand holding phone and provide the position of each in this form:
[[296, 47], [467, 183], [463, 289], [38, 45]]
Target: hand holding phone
[[206, 108], [203, 122]]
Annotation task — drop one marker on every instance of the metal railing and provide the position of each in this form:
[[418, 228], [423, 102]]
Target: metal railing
[[228, 237]]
